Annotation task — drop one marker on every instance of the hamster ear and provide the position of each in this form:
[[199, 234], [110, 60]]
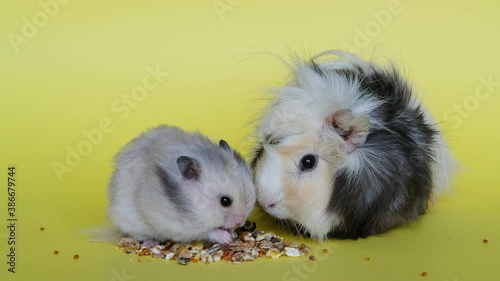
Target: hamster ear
[[225, 145], [189, 167]]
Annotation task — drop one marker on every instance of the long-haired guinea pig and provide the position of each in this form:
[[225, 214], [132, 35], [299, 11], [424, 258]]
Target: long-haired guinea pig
[[174, 185], [345, 150]]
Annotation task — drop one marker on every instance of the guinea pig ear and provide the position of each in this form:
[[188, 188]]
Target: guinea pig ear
[[353, 129], [225, 145], [189, 167]]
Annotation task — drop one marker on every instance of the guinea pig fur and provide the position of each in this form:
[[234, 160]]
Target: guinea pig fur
[[345, 150], [174, 185]]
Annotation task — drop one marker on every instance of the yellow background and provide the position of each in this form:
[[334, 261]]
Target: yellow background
[[66, 76]]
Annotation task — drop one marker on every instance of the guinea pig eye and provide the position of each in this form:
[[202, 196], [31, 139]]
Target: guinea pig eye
[[308, 162], [225, 201]]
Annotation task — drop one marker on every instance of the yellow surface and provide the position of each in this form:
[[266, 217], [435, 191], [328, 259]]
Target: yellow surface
[[69, 68]]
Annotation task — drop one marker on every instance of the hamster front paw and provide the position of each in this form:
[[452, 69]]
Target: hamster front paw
[[149, 243], [354, 130], [220, 236]]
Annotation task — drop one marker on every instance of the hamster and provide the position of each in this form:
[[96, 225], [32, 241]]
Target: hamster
[[180, 186], [346, 150]]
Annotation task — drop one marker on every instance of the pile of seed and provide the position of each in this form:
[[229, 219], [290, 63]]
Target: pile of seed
[[247, 245]]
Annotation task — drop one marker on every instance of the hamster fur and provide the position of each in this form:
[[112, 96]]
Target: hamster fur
[[174, 185], [345, 150]]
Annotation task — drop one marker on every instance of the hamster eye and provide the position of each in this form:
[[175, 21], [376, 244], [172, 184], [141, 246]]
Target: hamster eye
[[308, 162], [225, 201]]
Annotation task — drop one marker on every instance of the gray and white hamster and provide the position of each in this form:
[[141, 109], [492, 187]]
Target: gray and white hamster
[[346, 150], [175, 185]]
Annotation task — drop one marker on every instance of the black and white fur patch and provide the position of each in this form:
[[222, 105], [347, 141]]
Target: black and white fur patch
[[385, 182]]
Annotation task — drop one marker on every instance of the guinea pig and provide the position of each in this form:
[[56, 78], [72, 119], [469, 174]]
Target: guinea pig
[[179, 186], [345, 150]]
